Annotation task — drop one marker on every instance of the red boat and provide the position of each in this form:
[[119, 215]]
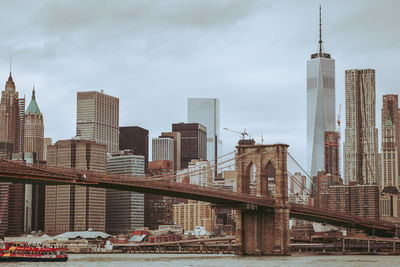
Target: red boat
[[18, 251]]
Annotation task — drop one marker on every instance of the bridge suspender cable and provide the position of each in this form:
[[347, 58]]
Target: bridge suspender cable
[[307, 175]]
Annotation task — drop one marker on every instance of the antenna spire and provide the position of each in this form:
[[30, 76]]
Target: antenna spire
[[320, 31], [10, 65]]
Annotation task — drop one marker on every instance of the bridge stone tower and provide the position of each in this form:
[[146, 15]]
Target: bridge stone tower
[[260, 230]]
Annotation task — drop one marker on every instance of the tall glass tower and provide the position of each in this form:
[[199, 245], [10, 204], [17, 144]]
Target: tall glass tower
[[207, 112], [320, 104]]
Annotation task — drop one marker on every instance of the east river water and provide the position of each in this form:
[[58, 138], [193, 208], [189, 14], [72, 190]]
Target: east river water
[[174, 260]]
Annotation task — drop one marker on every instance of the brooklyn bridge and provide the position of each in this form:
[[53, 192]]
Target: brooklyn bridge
[[262, 218]]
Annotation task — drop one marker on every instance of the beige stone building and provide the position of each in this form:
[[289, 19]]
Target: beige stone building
[[390, 141], [47, 142], [34, 129], [361, 153], [177, 147], [194, 213], [389, 205], [390, 158], [97, 118], [75, 208]]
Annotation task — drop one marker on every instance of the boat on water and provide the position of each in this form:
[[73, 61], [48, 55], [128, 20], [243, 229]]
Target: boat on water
[[20, 251]]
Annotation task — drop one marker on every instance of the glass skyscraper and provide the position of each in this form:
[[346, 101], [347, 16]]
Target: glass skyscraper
[[320, 105], [206, 111]]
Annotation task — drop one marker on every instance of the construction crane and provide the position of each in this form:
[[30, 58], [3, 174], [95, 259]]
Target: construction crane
[[338, 117], [340, 137], [243, 134]]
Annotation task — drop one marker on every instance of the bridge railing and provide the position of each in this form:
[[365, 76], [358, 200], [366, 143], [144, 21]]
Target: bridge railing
[[296, 207]]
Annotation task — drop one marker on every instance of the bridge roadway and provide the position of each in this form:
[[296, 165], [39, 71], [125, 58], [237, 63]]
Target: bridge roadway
[[40, 174]]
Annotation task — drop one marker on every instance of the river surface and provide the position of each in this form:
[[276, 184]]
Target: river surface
[[174, 260]]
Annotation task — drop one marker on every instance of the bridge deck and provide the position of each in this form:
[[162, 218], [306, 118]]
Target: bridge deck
[[41, 174]]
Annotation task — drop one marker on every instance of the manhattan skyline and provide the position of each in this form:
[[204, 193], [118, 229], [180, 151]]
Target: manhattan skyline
[[250, 55]]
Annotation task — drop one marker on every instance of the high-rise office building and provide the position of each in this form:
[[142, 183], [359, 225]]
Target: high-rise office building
[[390, 141], [13, 217], [158, 209], [332, 144], [22, 211], [193, 142], [4, 200], [34, 142], [162, 149], [206, 111], [124, 209], [320, 105], [390, 157], [339, 199], [70, 207], [177, 147], [136, 138], [355, 199], [34, 129], [97, 118], [47, 142], [361, 153], [6, 149], [389, 205], [320, 188], [12, 111]]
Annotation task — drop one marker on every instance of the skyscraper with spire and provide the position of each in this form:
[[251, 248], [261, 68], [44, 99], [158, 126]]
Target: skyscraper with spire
[[34, 129], [390, 141], [12, 196], [12, 111], [320, 104]]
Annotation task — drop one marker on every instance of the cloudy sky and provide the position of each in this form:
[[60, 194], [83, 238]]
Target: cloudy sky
[[154, 55]]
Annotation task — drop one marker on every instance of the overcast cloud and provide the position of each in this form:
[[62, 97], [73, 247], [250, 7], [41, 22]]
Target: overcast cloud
[[154, 55]]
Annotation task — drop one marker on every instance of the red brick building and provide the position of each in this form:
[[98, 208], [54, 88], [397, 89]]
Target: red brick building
[[355, 199]]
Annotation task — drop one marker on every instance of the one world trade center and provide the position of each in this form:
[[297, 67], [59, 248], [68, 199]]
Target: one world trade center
[[320, 104]]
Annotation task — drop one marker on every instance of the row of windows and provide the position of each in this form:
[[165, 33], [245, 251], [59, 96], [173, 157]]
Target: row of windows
[[327, 82]]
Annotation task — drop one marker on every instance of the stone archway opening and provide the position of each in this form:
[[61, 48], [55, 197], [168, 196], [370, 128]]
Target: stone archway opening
[[268, 183], [248, 178]]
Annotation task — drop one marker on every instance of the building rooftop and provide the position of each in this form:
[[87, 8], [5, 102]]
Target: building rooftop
[[390, 190], [83, 234], [33, 107]]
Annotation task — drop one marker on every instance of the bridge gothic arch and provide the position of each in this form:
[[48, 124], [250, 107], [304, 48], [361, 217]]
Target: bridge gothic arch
[[268, 185], [248, 177]]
